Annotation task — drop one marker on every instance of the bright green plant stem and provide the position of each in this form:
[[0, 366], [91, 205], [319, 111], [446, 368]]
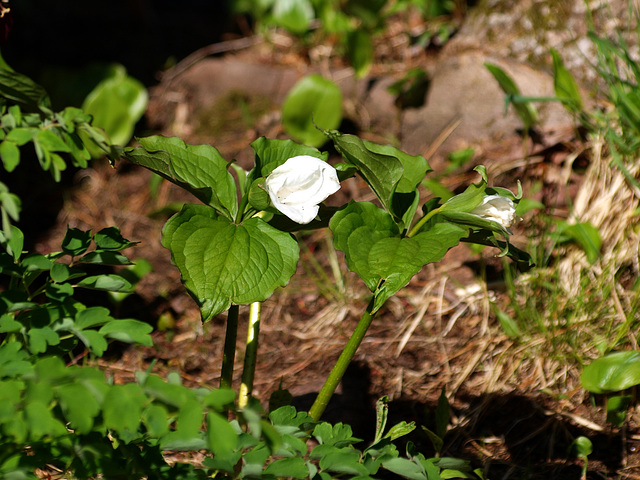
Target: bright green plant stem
[[229, 354], [330, 385], [416, 228], [249, 369]]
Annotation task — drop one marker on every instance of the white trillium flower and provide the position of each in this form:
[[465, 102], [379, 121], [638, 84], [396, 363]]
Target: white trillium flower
[[301, 183], [498, 209]]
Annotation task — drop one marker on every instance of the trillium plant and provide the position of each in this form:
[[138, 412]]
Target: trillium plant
[[237, 246]]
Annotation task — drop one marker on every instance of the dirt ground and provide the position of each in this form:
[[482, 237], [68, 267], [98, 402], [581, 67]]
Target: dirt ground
[[509, 416]]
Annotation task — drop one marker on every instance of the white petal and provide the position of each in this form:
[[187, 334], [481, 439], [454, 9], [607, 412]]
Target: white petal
[[300, 214], [496, 208], [297, 186]]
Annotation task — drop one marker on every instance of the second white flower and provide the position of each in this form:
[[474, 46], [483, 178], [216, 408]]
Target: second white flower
[[498, 209]]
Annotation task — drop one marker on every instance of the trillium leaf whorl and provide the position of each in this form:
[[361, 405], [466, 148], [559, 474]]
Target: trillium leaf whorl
[[301, 183]]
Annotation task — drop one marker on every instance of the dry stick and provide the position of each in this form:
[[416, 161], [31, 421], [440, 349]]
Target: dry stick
[[249, 369], [193, 58], [330, 385], [229, 354]]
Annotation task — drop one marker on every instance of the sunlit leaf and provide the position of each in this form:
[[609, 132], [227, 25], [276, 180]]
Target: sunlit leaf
[[292, 467], [525, 110], [116, 104], [565, 85], [109, 282], [76, 241], [612, 373], [405, 468], [313, 100], [222, 263], [122, 408], [222, 438], [128, 330], [79, 406], [10, 155], [375, 251], [381, 170], [199, 169], [294, 15]]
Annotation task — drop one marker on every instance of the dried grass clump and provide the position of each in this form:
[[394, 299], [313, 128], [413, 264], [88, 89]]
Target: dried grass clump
[[569, 309], [610, 203]]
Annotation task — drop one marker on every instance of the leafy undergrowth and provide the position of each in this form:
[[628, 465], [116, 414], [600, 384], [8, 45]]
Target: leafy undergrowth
[[516, 398], [507, 348]]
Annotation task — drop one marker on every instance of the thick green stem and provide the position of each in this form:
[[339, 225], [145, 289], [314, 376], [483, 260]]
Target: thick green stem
[[422, 221], [251, 354], [241, 208], [229, 354], [330, 385]]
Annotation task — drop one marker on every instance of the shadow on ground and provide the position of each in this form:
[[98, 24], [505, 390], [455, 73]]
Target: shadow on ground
[[509, 436]]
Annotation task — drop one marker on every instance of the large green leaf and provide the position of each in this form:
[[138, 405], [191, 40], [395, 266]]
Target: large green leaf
[[10, 155], [382, 170], [379, 255], [343, 461], [405, 198], [155, 418], [200, 169], [109, 282], [223, 263], [116, 104], [612, 373], [313, 100], [415, 167]]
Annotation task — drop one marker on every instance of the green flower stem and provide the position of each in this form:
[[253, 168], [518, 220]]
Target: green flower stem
[[229, 354], [330, 385], [422, 221], [241, 208], [251, 354]]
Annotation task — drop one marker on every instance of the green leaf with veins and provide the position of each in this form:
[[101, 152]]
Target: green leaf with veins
[[384, 260], [415, 167], [199, 169], [222, 263], [381, 171], [405, 199]]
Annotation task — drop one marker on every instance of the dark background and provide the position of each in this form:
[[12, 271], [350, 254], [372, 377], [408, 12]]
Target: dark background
[[145, 36]]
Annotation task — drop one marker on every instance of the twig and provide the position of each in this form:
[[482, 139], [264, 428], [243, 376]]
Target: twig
[[214, 49]]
